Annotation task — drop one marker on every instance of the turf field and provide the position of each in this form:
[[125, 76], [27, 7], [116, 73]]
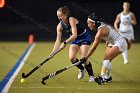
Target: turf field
[[126, 78]]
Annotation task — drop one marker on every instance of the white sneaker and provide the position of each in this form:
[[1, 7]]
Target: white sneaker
[[91, 78], [125, 62], [81, 73]]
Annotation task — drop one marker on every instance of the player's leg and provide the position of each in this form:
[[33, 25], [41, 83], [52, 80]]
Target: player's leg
[[72, 56], [84, 50], [110, 54], [128, 38], [125, 56], [125, 53], [108, 77]]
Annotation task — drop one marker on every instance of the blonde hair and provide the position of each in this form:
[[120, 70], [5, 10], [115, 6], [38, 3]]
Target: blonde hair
[[65, 10], [127, 3]]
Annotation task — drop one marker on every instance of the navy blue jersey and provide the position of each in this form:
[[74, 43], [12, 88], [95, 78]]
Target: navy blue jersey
[[67, 28], [83, 36]]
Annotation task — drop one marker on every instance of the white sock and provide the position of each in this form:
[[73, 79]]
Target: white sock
[[105, 68], [125, 56], [109, 74]]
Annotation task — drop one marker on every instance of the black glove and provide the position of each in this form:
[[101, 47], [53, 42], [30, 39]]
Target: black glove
[[83, 60]]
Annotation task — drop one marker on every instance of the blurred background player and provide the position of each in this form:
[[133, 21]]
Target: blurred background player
[[107, 33], [126, 19], [79, 40]]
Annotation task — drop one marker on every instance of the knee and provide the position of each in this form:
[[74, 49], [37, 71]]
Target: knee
[[107, 58], [129, 44], [82, 54], [84, 51], [73, 60]]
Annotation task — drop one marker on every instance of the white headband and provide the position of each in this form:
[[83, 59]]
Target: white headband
[[90, 20]]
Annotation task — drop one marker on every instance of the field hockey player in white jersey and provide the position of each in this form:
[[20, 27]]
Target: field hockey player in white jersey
[[126, 19], [107, 33]]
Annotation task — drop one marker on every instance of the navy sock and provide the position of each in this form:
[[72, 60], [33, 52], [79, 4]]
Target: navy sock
[[89, 69], [80, 66]]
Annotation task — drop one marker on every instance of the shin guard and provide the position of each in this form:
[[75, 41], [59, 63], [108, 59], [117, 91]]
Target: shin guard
[[89, 69], [105, 68], [80, 66]]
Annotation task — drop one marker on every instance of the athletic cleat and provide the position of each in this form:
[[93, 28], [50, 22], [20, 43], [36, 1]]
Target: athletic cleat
[[109, 80], [91, 79], [81, 73], [99, 80], [125, 62]]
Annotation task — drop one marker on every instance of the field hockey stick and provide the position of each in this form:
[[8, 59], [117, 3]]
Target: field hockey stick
[[38, 66], [58, 72]]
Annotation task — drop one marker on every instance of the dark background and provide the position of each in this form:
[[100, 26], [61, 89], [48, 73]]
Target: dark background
[[20, 18]]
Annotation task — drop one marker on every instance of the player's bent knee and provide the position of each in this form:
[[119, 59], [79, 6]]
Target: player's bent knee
[[74, 60]]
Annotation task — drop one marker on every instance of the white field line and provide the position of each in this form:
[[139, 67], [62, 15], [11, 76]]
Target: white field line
[[8, 85]]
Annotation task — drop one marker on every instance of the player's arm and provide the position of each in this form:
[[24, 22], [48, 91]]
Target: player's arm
[[58, 38], [72, 22], [133, 19], [116, 22], [95, 43]]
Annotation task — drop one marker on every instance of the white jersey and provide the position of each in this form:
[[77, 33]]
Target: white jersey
[[126, 28], [114, 38]]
